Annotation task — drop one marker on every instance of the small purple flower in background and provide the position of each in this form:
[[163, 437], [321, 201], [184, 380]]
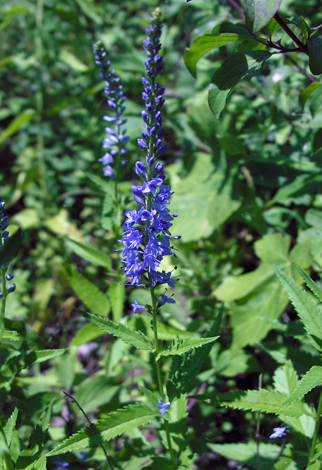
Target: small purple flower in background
[[116, 140], [278, 432], [163, 406], [60, 464], [137, 307], [147, 237]]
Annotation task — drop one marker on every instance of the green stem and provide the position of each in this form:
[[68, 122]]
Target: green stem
[[2, 301], [160, 383], [317, 428]]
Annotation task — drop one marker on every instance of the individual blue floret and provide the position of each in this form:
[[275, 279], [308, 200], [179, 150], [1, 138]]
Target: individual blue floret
[[278, 432], [163, 406]]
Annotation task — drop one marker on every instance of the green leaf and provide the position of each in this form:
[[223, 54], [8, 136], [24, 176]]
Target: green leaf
[[72, 61], [10, 426], [311, 379], [266, 401], [249, 453], [285, 378], [36, 357], [116, 292], [317, 291], [128, 335], [236, 67], [17, 123], [307, 92], [87, 333], [317, 142], [180, 346], [90, 253], [41, 463], [10, 248], [307, 310], [259, 12], [117, 423], [89, 293], [271, 27], [315, 50], [14, 10], [206, 43], [5, 458]]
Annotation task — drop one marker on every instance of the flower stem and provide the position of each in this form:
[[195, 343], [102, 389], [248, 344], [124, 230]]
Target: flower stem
[[317, 428], [2, 301], [160, 383]]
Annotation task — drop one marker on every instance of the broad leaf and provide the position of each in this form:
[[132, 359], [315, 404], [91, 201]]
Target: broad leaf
[[90, 253], [317, 291], [206, 43], [308, 311], [307, 92], [10, 248], [285, 378], [259, 12], [315, 51], [180, 346], [311, 379], [249, 453], [89, 293], [129, 335], [236, 67], [117, 423]]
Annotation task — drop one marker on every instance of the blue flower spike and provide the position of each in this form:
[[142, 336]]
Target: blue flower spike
[[116, 140], [278, 432], [147, 238], [137, 307], [163, 406]]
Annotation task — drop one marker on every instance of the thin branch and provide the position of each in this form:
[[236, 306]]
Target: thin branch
[[299, 68], [302, 47]]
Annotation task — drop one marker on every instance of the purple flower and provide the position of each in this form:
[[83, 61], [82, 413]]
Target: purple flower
[[116, 140], [137, 307], [163, 406], [4, 237], [60, 464], [147, 234], [278, 432]]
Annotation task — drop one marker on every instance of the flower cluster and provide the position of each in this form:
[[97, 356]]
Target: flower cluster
[[4, 237], [147, 237], [116, 140]]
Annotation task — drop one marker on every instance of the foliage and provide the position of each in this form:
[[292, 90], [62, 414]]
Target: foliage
[[238, 353]]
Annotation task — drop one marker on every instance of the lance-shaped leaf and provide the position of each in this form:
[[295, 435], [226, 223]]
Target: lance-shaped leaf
[[35, 357], [266, 401], [307, 92], [206, 43], [90, 253], [307, 310], [180, 346], [128, 335], [10, 425], [259, 12], [317, 291], [317, 142], [236, 67], [117, 423], [311, 379]]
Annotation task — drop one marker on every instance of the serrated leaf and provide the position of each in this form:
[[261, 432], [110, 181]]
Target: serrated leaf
[[153, 399], [10, 425], [117, 423], [5, 458], [317, 291], [90, 253], [206, 43], [128, 335], [306, 309], [307, 92], [311, 379], [10, 248], [259, 12], [35, 357], [266, 401], [116, 292], [315, 59], [41, 463], [285, 378], [89, 293], [236, 67], [180, 346]]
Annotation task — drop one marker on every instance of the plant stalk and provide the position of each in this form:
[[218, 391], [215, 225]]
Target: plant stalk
[[160, 383], [279, 20], [2, 301], [317, 428]]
